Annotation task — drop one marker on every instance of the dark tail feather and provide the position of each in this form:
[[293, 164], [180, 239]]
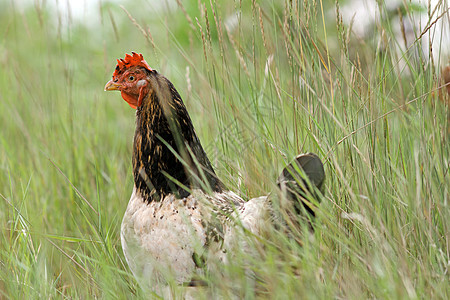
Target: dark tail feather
[[301, 178]]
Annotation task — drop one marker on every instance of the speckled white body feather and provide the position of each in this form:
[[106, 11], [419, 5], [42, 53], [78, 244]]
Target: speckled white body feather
[[159, 239]]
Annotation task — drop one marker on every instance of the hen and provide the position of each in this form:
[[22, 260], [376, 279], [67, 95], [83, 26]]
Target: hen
[[179, 209]]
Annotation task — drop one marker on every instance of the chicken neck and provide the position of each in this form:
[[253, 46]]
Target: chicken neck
[[167, 154]]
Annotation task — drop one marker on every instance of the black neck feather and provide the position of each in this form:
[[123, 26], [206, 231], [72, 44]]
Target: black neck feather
[[167, 154]]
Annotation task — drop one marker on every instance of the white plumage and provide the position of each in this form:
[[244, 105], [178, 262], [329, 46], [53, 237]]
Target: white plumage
[[160, 239]]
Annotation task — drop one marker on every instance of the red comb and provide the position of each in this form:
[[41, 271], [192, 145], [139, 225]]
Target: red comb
[[130, 61]]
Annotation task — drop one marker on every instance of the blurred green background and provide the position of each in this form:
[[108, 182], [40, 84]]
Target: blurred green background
[[262, 81]]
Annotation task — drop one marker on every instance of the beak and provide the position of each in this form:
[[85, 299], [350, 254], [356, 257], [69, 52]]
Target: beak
[[112, 86]]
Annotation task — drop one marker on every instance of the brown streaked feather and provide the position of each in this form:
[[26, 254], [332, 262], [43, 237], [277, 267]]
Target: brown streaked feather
[[167, 154]]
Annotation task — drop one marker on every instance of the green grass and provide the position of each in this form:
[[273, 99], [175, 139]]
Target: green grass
[[261, 86]]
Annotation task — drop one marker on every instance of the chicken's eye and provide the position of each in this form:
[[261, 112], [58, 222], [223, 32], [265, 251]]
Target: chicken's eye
[[131, 78]]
